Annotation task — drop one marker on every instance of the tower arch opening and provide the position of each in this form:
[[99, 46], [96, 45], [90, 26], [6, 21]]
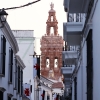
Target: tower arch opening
[[51, 18], [51, 30], [55, 62], [47, 62]]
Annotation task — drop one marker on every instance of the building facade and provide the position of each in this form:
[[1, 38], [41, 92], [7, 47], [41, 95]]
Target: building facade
[[11, 66], [82, 29], [25, 42]]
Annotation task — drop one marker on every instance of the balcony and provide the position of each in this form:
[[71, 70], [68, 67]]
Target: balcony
[[76, 6], [67, 70], [75, 22], [67, 82], [71, 52], [73, 28]]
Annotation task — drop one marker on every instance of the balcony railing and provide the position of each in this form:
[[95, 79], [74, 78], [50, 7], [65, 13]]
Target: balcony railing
[[71, 48], [76, 17], [67, 65]]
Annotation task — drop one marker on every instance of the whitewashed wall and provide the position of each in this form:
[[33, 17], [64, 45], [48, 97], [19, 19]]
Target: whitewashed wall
[[4, 80], [73, 90], [84, 79], [79, 84], [81, 77], [25, 42], [96, 52]]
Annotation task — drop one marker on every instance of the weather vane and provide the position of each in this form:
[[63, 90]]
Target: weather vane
[[52, 5]]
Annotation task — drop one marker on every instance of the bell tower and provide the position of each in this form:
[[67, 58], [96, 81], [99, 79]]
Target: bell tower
[[52, 21], [51, 48]]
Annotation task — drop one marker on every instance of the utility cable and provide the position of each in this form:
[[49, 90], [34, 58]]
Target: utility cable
[[22, 5]]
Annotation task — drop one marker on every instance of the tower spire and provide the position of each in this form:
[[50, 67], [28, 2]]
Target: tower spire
[[52, 21], [52, 6]]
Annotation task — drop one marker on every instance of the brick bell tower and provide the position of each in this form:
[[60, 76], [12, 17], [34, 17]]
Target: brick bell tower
[[51, 49]]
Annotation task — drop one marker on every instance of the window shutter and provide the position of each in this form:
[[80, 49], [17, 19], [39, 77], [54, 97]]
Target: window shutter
[[9, 80], [3, 54], [1, 95], [15, 80], [31, 88], [21, 82], [10, 65], [38, 70], [18, 79]]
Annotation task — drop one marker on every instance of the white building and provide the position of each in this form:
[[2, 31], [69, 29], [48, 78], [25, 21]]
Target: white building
[[51, 89], [81, 65], [25, 42], [11, 66]]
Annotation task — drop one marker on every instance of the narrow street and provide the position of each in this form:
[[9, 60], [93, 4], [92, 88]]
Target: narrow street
[[49, 50]]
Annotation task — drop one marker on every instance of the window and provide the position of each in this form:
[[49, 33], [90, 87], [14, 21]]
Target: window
[[56, 62], [21, 82], [10, 65], [31, 88], [48, 97], [52, 30], [18, 79], [89, 67], [51, 18], [75, 88], [38, 70], [9, 98], [15, 79], [47, 62], [3, 55], [14, 99], [1, 95]]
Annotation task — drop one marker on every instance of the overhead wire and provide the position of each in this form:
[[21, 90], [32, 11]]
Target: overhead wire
[[30, 3]]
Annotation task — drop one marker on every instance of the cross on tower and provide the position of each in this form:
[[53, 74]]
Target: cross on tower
[[26, 92], [52, 5]]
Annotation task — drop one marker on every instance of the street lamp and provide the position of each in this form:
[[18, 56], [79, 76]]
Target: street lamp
[[3, 14]]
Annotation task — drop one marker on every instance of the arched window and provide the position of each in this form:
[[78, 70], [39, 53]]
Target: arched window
[[51, 18], [56, 62], [47, 62], [51, 30]]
